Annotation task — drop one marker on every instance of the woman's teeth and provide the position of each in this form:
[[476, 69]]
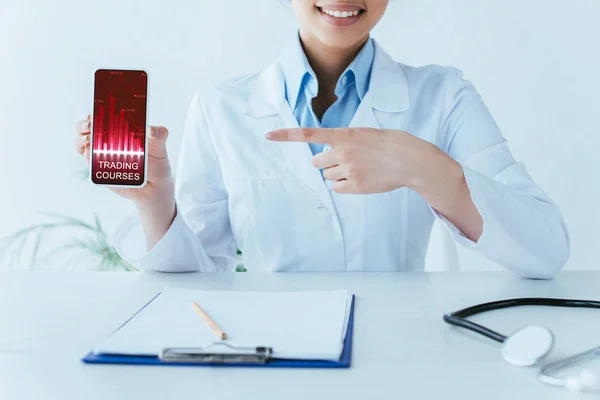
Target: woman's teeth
[[341, 14]]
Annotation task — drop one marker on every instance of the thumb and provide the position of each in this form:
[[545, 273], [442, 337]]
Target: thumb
[[157, 142]]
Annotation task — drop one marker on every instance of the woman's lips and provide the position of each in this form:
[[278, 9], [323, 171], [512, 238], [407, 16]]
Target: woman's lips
[[341, 15]]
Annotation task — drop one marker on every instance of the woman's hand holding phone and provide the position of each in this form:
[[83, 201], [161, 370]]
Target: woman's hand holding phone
[[155, 201]]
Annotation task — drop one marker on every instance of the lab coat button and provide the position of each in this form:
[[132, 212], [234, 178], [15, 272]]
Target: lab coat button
[[320, 205]]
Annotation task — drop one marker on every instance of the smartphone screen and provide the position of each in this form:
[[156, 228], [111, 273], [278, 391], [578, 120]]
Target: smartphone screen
[[118, 150]]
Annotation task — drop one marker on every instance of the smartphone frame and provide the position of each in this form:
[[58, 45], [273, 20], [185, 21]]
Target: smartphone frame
[[145, 135]]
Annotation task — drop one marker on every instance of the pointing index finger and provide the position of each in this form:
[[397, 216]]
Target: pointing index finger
[[308, 135]]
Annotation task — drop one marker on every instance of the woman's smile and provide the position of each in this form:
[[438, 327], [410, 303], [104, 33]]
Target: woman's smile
[[341, 14]]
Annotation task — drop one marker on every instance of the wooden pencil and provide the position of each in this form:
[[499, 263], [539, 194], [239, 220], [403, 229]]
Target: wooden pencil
[[209, 321]]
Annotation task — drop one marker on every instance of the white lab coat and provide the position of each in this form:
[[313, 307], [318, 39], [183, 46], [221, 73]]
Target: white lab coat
[[236, 189]]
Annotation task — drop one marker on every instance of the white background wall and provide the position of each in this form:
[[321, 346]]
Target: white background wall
[[536, 63]]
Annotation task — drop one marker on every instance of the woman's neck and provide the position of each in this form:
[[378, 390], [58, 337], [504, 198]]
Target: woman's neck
[[328, 63]]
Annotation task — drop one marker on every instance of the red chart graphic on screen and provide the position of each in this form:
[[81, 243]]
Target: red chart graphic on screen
[[118, 149]]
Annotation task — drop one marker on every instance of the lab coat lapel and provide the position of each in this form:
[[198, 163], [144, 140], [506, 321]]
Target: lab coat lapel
[[365, 116], [389, 84], [268, 106], [387, 97], [297, 157]]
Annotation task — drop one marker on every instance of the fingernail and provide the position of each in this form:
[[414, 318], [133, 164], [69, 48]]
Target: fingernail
[[85, 138], [270, 135], [84, 125]]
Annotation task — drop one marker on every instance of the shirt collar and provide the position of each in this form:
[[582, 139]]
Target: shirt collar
[[298, 72], [359, 69]]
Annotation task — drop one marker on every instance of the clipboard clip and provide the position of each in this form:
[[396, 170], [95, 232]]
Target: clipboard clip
[[217, 353]]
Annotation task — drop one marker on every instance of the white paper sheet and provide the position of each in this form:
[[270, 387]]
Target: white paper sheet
[[297, 325]]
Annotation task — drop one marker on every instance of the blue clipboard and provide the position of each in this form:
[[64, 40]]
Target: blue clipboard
[[344, 361]]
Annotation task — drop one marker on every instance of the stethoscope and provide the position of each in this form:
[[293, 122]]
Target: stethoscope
[[529, 345]]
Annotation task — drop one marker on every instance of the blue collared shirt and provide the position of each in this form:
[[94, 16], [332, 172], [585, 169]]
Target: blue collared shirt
[[301, 86]]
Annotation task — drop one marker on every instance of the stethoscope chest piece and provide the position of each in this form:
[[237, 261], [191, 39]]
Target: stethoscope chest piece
[[528, 345]]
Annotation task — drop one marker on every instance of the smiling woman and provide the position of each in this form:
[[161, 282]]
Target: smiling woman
[[375, 151]]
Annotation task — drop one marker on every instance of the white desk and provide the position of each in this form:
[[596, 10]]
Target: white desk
[[402, 348]]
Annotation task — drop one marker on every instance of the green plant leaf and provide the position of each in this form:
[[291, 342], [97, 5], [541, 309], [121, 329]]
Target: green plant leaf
[[21, 232], [69, 221], [98, 225], [103, 263], [240, 268], [95, 243], [19, 251], [36, 245]]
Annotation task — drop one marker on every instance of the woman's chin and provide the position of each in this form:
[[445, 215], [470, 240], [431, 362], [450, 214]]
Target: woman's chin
[[340, 40]]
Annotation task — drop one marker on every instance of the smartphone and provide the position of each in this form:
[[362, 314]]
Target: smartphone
[[119, 142]]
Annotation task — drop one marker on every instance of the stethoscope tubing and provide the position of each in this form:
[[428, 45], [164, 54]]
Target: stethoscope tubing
[[457, 318]]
